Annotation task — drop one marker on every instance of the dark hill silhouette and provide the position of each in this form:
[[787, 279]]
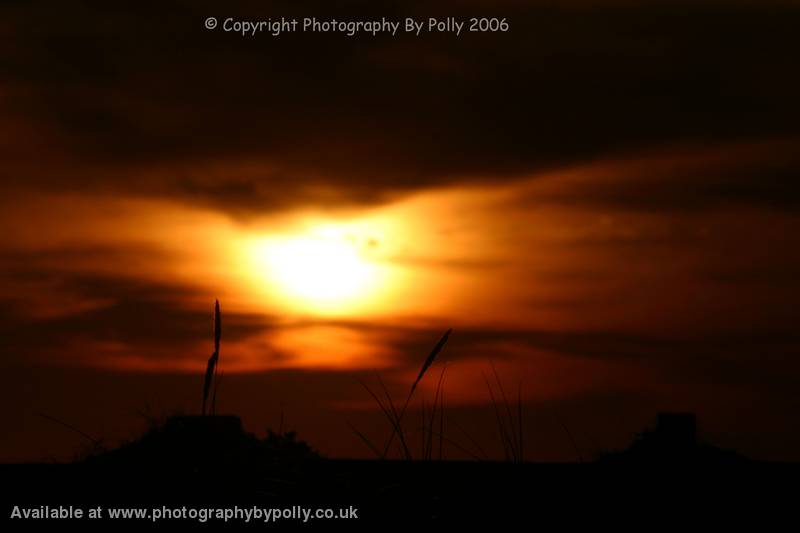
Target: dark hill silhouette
[[209, 460], [207, 443]]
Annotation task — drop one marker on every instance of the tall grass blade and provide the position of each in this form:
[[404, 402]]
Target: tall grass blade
[[210, 369], [387, 413], [217, 382], [398, 425], [425, 365], [432, 419], [519, 420], [512, 439], [498, 416], [441, 426], [365, 440], [429, 360], [96, 443], [213, 361], [572, 440], [424, 427], [217, 326], [469, 438], [456, 445]]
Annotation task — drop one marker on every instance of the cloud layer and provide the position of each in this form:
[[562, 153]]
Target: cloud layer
[[144, 100]]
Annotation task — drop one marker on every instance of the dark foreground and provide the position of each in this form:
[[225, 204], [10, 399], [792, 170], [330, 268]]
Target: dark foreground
[[392, 493], [202, 473]]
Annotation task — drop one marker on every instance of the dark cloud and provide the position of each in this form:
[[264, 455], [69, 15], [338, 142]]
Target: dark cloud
[[765, 174], [151, 319], [141, 98], [732, 358]]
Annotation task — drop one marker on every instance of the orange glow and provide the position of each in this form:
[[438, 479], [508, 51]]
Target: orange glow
[[462, 257], [323, 270]]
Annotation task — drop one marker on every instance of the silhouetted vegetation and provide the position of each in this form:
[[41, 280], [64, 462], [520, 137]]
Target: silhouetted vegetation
[[395, 417], [210, 457], [208, 443], [211, 379]]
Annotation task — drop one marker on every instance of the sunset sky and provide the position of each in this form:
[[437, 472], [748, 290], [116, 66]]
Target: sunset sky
[[602, 203]]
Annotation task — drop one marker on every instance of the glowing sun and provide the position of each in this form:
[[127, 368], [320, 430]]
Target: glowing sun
[[322, 270]]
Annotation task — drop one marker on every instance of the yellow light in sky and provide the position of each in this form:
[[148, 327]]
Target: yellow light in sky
[[323, 269], [317, 269]]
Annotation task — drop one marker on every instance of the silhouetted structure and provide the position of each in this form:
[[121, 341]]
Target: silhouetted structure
[[676, 431], [673, 440]]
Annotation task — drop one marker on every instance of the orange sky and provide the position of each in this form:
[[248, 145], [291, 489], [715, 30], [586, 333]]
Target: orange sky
[[602, 203]]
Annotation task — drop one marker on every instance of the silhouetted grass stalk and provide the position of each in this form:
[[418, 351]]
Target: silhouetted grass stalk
[[469, 437], [512, 440], [213, 361], [97, 444], [217, 382], [459, 447], [424, 425], [366, 441], [437, 399], [509, 430], [394, 413], [571, 438], [390, 414], [425, 365], [499, 419], [441, 426]]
